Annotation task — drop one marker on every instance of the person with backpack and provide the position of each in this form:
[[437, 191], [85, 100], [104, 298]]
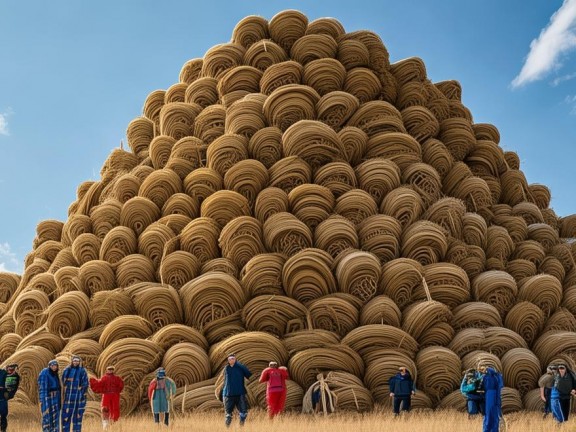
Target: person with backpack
[[110, 386], [275, 377], [234, 391], [564, 387], [492, 384], [471, 389], [49, 394], [402, 388], [9, 382], [74, 386], [160, 393]]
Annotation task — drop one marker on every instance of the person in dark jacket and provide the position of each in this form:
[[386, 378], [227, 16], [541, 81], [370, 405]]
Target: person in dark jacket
[[402, 388], [564, 387], [492, 384], [49, 393], [75, 385], [234, 391], [9, 382]]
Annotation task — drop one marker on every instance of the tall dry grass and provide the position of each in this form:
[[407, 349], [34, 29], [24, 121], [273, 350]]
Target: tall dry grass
[[26, 419]]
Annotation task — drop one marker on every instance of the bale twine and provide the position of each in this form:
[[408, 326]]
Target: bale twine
[[311, 203], [125, 326], [220, 265], [521, 369], [306, 364], [380, 310], [254, 349], [68, 314], [203, 247], [438, 371], [338, 313], [403, 204], [399, 279], [286, 234], [358, 273], [273, 314], [289, 172], [339, 177], [108, 305], [336, 234], [211, 297], [30, 360], [186, 363], [307, 275], [365, 339], [382, 365], [446, 283]]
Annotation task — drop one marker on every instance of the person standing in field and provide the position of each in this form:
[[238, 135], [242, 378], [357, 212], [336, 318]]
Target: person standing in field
[[275, 377], [160, 393], [49, 393], [546, 382], [234, 391], [564, 387], [402, 388], [110, 386], [492, 384], [75, 385], [9, 382], [470, 387]]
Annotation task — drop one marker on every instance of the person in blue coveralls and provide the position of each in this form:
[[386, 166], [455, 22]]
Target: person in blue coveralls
[[492, 384]]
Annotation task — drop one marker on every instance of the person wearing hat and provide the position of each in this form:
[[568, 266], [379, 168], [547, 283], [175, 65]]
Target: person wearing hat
[[402, 388], [234, 391], [74, 386], [9, 382], [492, 384], [275, 377], [564, 387], [160, 393], [471, 388], [110, 386], [49, 394], [546, 382]]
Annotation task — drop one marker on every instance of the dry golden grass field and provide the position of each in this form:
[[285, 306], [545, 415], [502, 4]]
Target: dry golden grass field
[[25, 419]]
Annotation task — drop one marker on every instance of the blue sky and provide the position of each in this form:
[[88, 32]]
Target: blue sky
[[74, 73]]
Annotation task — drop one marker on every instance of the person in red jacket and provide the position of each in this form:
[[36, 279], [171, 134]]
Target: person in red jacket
[[110, 386], [275, 377]]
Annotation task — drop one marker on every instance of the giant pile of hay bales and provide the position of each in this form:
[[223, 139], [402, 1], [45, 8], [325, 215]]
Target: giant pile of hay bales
[[297, 197]]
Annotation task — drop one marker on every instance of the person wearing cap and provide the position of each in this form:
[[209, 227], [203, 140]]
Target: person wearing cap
[[74, 386], [546, 382], [110, 386], [275, 378], [470, 388], [234, 391], [49, 394], [402, 388], [492, 384], [9, 382], [160, 393], [564, 387]]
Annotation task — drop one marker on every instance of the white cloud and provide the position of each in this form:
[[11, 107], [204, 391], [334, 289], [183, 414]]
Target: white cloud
[[571, 100], [558, 38], [8, 260], [4, 124], [563, 78]]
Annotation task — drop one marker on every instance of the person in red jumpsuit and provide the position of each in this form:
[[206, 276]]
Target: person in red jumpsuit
[[275, 377], [110, 386]]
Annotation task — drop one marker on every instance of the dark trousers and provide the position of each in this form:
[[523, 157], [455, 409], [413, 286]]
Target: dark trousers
[[561, 409], [3, 415], [547, 403], [166, 418], [402, 400], [238, 402]]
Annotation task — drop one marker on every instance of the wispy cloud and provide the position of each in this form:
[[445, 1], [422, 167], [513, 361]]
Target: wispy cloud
[[4, 121], [571, 100], [562, 79], [8, 260], [558, 38]]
